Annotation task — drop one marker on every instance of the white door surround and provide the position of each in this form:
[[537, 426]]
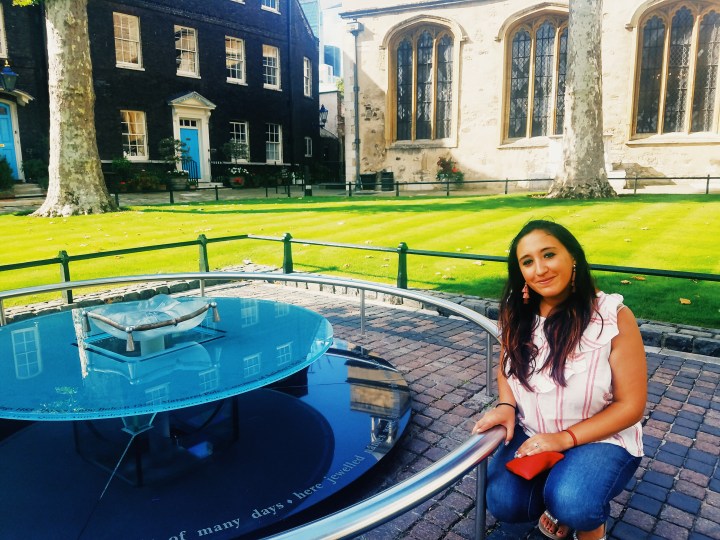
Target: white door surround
[[194, 106]]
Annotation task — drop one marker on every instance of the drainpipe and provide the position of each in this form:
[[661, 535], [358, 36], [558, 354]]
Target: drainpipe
[[355, 28]]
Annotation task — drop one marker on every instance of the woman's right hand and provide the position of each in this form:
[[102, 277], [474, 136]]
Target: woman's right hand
[[499, 416]]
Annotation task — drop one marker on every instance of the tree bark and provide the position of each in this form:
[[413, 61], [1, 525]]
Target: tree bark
[[76, 183], [583, 173]]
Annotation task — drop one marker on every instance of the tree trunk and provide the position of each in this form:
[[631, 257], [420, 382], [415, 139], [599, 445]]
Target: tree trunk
[[76, 185], [583, 173]]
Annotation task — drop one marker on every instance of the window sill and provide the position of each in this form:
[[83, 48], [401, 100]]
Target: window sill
[[275, 88], [530, 142], [240, 82], [134, 67], [189, 75], [423, 143], [676, 139], [136, 158], [271, 10]]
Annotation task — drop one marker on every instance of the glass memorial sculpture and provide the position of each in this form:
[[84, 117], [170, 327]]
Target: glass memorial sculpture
[[150, 320]]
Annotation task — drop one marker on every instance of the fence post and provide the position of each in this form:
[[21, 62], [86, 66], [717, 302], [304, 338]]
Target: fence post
[[350, 189], [117, 199], [203, 257], [172, 197], [447, 188], [707, 185], [287, 254], [397, 189], [65, 275], [506, 185], [217, 194], [635, 187], [267, 194], [402, 277]]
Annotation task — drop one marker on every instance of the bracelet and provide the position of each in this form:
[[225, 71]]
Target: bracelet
[[508, 404], [573, 437]]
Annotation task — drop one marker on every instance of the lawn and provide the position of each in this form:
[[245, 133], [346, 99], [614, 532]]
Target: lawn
[[672, 232]]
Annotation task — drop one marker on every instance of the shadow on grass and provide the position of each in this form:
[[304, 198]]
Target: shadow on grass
[[409, 204]]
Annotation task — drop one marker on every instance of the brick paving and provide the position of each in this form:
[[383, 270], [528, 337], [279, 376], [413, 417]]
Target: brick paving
[[675, 494]]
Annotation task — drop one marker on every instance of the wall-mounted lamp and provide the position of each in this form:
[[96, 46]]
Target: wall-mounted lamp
[[8, 77], [323, 113]]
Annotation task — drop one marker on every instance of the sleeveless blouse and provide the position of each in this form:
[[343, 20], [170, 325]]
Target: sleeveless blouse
[[551, 408]]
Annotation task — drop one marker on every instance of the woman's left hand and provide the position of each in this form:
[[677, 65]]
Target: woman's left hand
[[543, 442]]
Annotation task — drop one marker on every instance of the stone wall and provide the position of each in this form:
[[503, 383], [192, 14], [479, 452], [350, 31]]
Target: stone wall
[[479, 148]]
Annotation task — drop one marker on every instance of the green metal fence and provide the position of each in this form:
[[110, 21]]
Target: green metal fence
[[403, 251]]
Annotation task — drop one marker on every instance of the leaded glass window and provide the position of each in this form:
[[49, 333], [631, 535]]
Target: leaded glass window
[[536, 83], [562, 74], [424, 84], [404, 90], [678, 69], [443, 113], [706, 73]]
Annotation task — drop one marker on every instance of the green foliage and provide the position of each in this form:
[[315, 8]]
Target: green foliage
[[36, 170], [26, 2], [172, 150], [235, 150], [448, 170], [6, 176], [123, 168]]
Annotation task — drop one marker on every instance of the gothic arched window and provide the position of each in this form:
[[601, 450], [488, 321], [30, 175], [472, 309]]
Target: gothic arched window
[[677, 78], [537, 55], [423, 65]]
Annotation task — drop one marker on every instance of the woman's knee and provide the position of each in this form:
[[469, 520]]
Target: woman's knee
[[580, 510]]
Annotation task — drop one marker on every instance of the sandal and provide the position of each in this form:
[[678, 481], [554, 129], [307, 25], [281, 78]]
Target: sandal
[[547, 532], [603, 537]]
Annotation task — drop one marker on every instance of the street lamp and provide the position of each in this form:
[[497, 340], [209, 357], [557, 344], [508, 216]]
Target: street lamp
[[8, 77], [323, 116]]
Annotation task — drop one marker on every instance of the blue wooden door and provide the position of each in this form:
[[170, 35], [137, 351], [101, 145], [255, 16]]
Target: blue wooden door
[[191, 138], [7, 138]]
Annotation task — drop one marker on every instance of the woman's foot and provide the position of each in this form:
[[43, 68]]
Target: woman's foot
[[549, 526], [597, 534]]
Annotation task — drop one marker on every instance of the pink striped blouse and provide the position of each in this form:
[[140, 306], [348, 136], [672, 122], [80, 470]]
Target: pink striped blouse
[[550, 408]]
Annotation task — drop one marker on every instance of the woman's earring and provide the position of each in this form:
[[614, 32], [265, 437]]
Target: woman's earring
[[572, 279], [526, 294]]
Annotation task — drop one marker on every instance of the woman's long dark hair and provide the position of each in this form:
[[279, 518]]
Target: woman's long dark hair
[[563, 327]]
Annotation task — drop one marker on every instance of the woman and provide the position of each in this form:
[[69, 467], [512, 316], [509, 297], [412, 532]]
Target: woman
[[573, 379]]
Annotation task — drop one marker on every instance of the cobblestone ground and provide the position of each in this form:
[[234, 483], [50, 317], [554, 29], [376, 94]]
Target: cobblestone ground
[[675, 494]]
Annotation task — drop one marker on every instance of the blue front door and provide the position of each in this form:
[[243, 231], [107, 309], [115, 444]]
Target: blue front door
[[191, 138], [7, 138]]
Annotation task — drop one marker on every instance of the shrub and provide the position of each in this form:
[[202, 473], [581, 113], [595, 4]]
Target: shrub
[[6, 176], [36, 170], [448, 170], [123, 168]]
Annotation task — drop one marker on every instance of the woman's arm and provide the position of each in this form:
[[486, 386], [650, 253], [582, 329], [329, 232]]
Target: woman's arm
[[501, 415], [629, 386]]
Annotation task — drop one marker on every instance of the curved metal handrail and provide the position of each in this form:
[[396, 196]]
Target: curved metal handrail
[[392, 502], [398, 499], [473, 316]]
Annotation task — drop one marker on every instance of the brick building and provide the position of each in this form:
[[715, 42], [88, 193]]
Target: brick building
[[205, 72]]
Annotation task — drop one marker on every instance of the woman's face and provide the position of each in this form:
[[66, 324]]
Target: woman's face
[[546, 265]]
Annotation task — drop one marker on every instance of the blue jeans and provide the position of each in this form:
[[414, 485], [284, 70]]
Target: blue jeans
[[577, 490]]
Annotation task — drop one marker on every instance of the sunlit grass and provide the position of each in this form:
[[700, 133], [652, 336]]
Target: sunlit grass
[[659, 231]]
